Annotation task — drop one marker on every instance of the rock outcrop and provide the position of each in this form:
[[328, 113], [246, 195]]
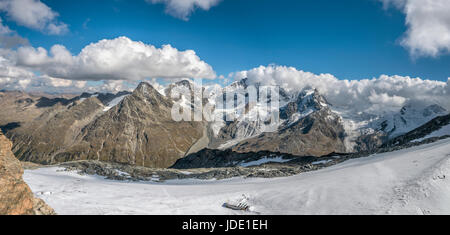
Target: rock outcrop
[[16, 197]]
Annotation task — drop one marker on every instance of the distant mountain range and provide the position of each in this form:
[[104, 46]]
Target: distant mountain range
[[137, 128]]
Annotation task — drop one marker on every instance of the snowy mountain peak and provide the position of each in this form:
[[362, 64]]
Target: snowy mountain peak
[[306, 102], [311, 99], [149, 95], [243, 83]]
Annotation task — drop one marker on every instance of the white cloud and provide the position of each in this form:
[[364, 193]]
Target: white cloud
[[116, 59], [112, 66], [367, 95], [112, 86], [16, 78], [428, 23], [10, 38], [33, 14], [12, 77], [183, 8]]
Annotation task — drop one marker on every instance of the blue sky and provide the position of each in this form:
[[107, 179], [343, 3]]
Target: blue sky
[[351, 39]]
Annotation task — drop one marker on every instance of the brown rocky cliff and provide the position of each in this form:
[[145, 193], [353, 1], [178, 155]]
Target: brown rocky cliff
[[16, 197]]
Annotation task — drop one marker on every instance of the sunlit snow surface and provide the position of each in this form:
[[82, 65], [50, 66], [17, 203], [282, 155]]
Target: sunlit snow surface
[[410, 181]]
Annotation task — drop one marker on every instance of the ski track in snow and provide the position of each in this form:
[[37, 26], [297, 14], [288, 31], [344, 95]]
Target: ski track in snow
[[410, 181]]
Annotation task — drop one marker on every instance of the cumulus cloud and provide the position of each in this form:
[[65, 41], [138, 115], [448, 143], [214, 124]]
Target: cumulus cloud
[[13, 77], [33, 14], [112, 86], [111, 65], [368, 95], [428, 23], [183, 8], [116, 59]]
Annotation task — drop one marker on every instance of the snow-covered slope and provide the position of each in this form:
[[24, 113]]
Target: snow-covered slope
[[445, 130], [114, 102], [409, 118], [410, 181], [366, 130]]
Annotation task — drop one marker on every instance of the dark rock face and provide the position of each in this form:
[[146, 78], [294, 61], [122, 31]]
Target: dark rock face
[[16, 197], [209, 158]]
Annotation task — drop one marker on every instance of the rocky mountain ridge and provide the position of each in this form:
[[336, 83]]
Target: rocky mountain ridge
[[138, 129], [307, 127]]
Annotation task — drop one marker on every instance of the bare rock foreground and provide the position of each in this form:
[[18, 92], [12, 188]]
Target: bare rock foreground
[[16, 197]]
